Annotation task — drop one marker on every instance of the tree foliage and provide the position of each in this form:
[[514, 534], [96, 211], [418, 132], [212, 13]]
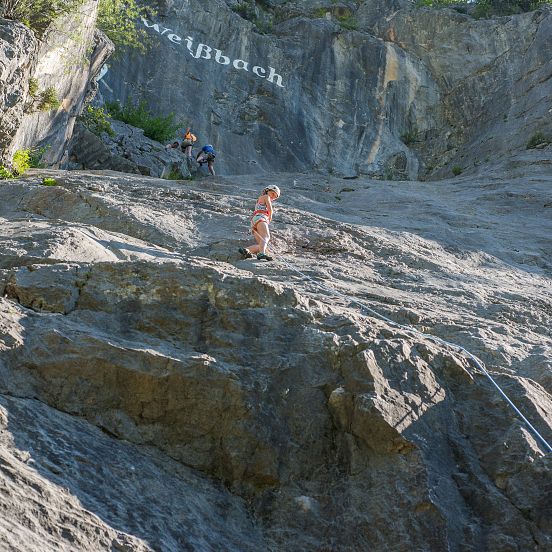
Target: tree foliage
[[117, 18], [38, 14], [487, 8]]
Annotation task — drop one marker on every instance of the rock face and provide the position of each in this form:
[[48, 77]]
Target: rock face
[[295, 420], [18, 48], [375, 88], [160, 394], [60, 62], [68, 486], [494, 79], [310, 95], [128, 150]]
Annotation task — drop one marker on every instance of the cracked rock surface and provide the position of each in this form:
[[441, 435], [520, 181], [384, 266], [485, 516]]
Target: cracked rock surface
[[159, 393]]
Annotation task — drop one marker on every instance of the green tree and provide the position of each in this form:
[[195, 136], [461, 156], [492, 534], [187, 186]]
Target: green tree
[[488, 8], [117, 19], [38, 14]]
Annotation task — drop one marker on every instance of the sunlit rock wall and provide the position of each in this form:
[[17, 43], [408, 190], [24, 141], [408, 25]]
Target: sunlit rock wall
[[63, 63], [310, 94]]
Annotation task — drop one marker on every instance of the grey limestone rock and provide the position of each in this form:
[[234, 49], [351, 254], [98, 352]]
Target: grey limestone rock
[[374, 88], [493, 78], [308, 95], [252, 389], [127, 151], [59, 61], [18, 48]]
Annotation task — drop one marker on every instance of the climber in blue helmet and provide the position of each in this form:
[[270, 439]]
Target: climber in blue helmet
[[207, 155]]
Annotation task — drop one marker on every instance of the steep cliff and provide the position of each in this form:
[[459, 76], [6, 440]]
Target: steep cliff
[[60, 62], [349, 88], [307, 94], [495, 80], [18, 48], [158, 393]]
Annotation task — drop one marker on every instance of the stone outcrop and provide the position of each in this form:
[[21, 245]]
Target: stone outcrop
[[245, 384], [128, 150], [18, 48], [494, 79], [66, 485], [61, 62]]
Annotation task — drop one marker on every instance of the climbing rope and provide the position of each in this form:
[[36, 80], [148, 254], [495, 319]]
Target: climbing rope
[[437, 340]]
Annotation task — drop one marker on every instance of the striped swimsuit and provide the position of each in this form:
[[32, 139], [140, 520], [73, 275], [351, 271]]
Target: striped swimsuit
[[260, 215]]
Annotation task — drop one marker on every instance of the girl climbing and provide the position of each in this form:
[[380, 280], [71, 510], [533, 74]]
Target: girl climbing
[[259, 224]]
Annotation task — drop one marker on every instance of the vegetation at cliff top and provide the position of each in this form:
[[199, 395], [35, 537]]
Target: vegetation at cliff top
[[157, 127], [487, 8], [38, 14], [117, 18]]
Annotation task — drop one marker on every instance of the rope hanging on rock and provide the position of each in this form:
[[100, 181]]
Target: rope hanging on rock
[[438, 340]]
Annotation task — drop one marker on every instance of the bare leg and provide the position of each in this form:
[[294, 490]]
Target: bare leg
[[211, 167], [262, 237]]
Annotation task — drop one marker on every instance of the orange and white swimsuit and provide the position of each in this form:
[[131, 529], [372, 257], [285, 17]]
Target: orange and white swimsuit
[[261, 214]]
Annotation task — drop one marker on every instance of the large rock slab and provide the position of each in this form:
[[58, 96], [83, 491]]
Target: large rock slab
[[68, 486], [124, 304]]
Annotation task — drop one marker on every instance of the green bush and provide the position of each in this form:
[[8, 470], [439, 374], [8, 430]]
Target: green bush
[[245, 9], [537, 139], [5, 173], [48, 99], [348, 22], [38, 14], [21, 161], [456, 170], [49, 182], [35, 161], [486, 8], [33, 87], [118, 20], [409, 137], [95, 119], [157, 127], [173, 174], [320, 12]]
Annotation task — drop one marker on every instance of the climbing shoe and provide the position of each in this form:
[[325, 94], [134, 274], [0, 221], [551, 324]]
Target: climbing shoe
[[263, 257], [244, 253]]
